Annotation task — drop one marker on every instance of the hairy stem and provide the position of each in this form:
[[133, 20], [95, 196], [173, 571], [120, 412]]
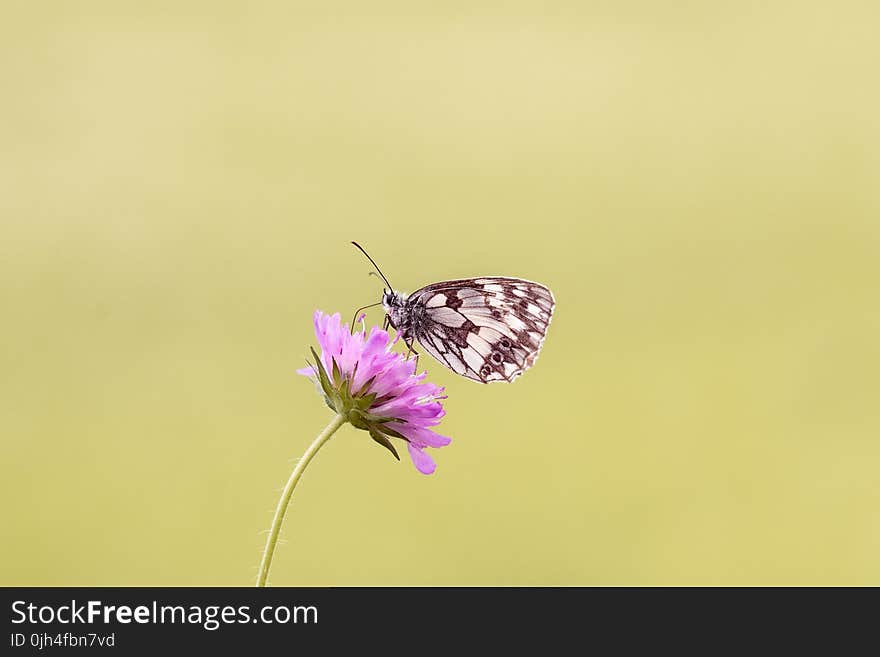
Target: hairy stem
[[322, 438]]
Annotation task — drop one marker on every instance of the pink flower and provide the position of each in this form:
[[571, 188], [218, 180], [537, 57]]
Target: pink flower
[[377, 389]]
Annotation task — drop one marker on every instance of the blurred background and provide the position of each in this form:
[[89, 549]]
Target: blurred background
[[699, 183]]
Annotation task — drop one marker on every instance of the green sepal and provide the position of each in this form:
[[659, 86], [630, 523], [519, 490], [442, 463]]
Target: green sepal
[[367, 386], [337, 373], [394, 434], [366, 401], [344, 391], [383, 440], [379, 419], [330, 395], [364, 420], [357, 419]]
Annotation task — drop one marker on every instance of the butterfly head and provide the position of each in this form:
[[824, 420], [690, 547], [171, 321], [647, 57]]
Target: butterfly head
[[396, 312], [392, 300]]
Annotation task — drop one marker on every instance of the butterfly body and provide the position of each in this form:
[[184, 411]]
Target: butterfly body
[[403, 315], [487, 329]]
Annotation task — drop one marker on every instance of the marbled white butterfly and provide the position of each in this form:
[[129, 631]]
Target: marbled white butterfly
[[487, 329]]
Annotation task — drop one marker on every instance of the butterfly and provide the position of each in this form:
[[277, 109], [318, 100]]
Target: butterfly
[[487, 329]]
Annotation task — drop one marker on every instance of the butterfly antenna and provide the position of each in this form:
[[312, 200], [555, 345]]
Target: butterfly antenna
[[361, 249]]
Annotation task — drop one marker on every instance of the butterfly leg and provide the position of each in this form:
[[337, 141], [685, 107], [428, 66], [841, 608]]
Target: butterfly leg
[[410, 350]]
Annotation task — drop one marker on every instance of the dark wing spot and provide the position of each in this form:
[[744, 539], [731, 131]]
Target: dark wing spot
[[460, 334]]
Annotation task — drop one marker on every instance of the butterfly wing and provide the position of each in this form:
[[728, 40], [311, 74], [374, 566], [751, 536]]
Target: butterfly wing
[[487, 329]]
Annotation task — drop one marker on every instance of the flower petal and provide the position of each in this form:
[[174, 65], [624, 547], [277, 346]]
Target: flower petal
[[424, 463], [420, 436]]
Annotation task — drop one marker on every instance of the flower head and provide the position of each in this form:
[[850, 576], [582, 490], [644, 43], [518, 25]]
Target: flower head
[[377, 389]]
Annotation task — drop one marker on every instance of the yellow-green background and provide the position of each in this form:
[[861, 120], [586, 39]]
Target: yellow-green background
[[699, 183]]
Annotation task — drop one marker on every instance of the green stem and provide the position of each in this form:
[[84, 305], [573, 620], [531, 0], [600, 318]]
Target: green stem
[[324, 436]]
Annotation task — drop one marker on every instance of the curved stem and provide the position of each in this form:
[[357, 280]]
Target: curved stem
[[322, 438]]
